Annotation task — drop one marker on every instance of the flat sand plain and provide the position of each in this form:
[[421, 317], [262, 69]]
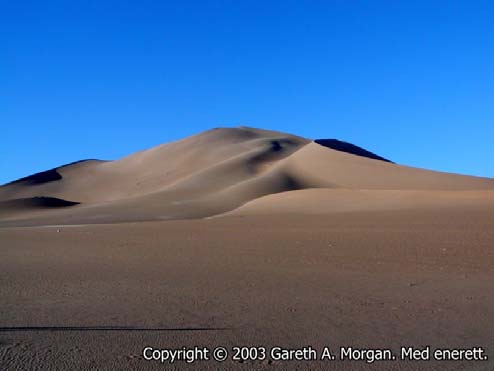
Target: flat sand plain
[[93, 296]]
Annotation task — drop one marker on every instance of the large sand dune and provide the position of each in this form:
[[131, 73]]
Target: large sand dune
[[218, 171]]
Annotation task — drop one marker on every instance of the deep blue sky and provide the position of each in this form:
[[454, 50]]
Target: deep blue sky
[[410, 80]]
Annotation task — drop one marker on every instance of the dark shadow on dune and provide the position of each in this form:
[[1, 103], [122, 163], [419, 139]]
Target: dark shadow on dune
[[37, 202], [276, 150], [339, 145], [106, 328], [290, 183], [44, 176], [276, 146], [39, 178]]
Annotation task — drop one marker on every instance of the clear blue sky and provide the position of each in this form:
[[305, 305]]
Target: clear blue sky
[[410, 80]]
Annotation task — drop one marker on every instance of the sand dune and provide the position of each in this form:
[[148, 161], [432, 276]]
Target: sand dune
[[328, 201], [218, 171], [325, 168]]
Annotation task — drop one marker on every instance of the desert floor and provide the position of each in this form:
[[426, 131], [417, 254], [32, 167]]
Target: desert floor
[[93, 297]]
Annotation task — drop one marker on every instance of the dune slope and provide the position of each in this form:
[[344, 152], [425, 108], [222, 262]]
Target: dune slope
[[220, 170]]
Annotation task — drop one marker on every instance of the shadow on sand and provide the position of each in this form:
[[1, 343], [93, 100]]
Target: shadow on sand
[[106, 328], [341, 146]]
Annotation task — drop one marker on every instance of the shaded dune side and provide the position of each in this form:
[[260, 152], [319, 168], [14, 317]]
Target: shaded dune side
[[47, 202], [39, 178], [339, 145], [47, 175], [19, 205]]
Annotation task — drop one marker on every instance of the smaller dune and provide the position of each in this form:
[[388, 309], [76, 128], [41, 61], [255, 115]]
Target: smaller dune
[[39, 178], [331, 201], [46, 176]]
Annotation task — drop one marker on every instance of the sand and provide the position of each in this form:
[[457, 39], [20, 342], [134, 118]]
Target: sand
[[373, 279], [244, 243]]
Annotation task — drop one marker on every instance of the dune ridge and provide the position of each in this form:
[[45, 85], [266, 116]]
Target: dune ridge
[[219, 170]]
